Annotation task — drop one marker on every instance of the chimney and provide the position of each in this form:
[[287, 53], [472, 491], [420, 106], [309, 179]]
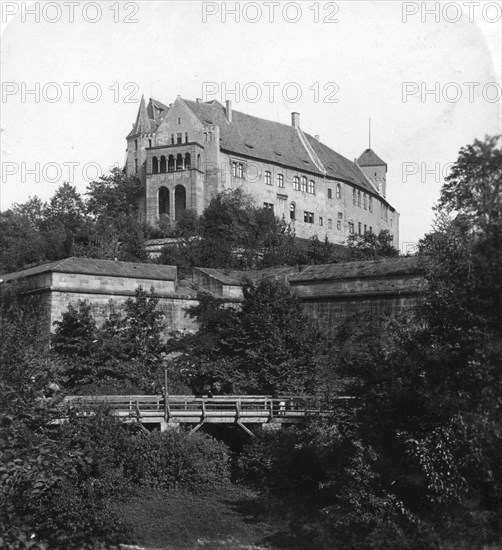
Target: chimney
[[229, 110], [295, 120], [318, 137]]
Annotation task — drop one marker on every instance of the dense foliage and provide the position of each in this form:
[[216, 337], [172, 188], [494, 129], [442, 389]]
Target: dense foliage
[[415, 462], [268, 346], [57, 480], [124, 354], [104, 225]]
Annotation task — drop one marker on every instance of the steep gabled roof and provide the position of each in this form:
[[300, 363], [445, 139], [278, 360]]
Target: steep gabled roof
[[275, 142], [110, 268], [384, 267], [143, 124], [234, 277], [370, 158], [156, 110]]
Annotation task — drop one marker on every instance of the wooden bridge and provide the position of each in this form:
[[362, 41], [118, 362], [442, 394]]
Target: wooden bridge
[[174, 410]]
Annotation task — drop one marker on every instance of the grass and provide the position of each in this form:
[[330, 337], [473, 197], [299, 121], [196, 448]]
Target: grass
[[227, 517]]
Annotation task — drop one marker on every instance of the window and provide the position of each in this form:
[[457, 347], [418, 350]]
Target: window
[[354, 197], [240, 170], [329, 194], [304, 184], [268, 206], [371, 229], [351, 228], [340, 215], [172, 139], [365, 201], [149, 143], [179, 138], [292, 211], [268, 178], [179, 120], [339, 225], [359, 198], [338, 191], [280, 180], [370, 205], [359, 228], [321, 221], [234, 169], [365, 229], [136, 165], [186, 137], [311, 187], [330, 223], [296, 183], [155, 165], [136, 144], [308, 217]]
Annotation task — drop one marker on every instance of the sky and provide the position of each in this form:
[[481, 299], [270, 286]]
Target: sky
[[428, 74]]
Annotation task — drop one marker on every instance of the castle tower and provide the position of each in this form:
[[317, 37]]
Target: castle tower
[[375, 169]]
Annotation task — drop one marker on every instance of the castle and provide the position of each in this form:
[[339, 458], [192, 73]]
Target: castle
[[187, 152]]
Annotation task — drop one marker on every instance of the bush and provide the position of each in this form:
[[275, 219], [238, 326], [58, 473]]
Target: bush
[[173, 460]]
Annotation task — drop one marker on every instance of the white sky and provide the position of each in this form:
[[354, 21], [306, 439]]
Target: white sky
[[369, 53]]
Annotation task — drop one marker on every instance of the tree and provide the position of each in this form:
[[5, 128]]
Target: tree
[[431, 399], [270, 346], [371, 246]]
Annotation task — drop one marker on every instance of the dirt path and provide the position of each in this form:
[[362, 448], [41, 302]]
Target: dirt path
[[229, 518]]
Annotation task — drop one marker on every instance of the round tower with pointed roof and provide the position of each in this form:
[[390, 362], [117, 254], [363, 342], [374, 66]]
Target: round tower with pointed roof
[[375, 169]]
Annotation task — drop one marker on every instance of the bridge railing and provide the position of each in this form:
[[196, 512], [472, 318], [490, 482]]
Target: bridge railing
[[178, 404]]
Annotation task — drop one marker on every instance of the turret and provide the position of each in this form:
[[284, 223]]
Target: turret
[[375, 169]]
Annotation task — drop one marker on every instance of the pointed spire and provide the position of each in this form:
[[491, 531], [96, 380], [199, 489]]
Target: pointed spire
[[143, 124]]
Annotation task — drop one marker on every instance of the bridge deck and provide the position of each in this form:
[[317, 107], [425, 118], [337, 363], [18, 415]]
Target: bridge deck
[[189, 409]]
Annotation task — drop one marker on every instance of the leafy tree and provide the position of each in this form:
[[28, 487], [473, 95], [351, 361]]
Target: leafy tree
[[270, 346], [21, 245], [76, 332], [371, 246], [114, 195]]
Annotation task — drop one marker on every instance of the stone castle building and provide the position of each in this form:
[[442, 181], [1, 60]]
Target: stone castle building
[[187, 152]]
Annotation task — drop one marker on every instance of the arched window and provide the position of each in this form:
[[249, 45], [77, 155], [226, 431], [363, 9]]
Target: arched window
[[292, 211], [187, 161], [304, 184], [311, 187], [338, 191], [359, 198], [162, 164], [296, 184], [179, 161], [354, 197], [180, 201], [365, 201], [170, 164], [155, 165], [163, 201]]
